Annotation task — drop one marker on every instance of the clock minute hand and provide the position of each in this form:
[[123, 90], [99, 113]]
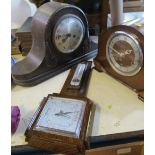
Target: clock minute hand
[[120, 54]]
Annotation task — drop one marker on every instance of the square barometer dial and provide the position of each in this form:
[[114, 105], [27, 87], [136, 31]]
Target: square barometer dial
[[62, 115], [60, 124]]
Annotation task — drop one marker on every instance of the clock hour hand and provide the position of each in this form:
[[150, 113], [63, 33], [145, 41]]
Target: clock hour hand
[[120, 54], [66, 37], [127, 52]]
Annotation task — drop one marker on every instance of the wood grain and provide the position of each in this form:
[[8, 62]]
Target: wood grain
[[60, 143], [135, 82]]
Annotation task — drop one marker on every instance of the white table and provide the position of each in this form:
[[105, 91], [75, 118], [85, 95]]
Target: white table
[[118, 108]]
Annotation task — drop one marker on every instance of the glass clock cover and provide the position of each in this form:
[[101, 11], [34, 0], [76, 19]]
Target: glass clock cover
[[124, 53], [62, 115], [68, 33]]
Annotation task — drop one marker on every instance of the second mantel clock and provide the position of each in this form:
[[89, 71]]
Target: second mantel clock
[[121, 54], [60, 40]]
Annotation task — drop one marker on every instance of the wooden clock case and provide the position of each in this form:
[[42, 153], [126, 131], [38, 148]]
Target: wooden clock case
[[135, 82], [44, 59], [57, 141]]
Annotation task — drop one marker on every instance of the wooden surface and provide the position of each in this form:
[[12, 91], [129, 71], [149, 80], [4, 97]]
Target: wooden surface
[[133, 6], [104, 14], [135, 148]]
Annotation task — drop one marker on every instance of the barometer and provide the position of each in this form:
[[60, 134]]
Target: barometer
[[62, 122]]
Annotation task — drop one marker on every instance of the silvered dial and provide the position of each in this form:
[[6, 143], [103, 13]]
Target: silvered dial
[[124, 53], [68, 33], [62, 114]]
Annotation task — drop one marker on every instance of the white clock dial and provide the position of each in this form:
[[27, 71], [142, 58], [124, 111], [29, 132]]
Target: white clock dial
[[62, 114], [68, 33], [124, 54]]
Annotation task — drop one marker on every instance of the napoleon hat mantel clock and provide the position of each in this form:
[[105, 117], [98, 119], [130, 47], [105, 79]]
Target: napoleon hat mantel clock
[[60, 40], [121, 54], [62, 121]]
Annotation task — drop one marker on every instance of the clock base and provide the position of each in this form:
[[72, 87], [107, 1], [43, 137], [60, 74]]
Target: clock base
[[55, 146], [43, 72]]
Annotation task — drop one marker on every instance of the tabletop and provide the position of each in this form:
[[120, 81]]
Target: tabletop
[[118, 108]]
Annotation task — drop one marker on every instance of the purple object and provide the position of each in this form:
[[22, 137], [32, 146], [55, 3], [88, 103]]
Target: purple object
[[15, 118]]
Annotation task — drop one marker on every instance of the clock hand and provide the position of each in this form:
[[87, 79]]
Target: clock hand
[[120, 54], [66, 37], [68, 34], [127, 52]]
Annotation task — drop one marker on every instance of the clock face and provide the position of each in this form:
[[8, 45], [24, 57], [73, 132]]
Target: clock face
[[124, 53], [68, 33], [61, 115]]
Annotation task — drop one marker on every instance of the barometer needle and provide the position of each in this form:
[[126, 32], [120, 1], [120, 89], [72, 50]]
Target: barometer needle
[[61, 113]]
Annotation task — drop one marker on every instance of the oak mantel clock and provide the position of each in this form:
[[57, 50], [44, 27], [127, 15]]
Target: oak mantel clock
[[60, 39], [121, 54]]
